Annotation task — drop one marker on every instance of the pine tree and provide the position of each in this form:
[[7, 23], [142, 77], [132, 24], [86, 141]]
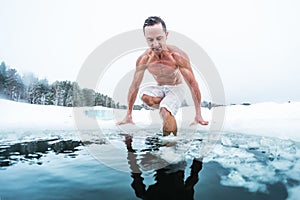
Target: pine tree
[[88, 97], [13, 84], [29, 80], [39, 92], [76, 95], [2, 78]]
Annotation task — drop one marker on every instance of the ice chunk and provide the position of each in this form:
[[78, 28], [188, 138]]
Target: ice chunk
[[294, 193], [235, 179]]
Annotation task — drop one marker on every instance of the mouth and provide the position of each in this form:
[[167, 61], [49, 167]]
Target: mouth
[[156, 49]]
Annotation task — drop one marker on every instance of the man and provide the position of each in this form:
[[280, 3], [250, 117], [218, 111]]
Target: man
[[168, 65]]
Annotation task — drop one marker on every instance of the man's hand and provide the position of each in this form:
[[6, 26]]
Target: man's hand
[[199, 120], [126, 120]]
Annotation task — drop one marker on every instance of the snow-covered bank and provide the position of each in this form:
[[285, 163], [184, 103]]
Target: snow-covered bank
[[264, 119], [24, 116]]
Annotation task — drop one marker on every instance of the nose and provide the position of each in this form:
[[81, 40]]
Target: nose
[[155, 43]]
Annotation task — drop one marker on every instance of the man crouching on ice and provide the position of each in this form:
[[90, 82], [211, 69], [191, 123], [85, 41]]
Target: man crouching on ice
[[168, 64]]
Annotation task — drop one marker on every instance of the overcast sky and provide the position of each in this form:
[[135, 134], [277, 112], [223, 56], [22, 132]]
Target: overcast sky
[[254, 44]]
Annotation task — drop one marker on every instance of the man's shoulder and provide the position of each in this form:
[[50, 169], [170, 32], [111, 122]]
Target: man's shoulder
[[173, 48], [143, 58], [177, 53]]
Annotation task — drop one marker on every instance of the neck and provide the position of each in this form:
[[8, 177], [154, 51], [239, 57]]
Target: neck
[[158, 54], [161, 53]]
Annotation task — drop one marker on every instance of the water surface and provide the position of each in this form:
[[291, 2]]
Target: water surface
[[59, 165]]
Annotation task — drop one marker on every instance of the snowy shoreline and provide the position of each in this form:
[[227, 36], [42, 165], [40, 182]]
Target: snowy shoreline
[[263, 119]]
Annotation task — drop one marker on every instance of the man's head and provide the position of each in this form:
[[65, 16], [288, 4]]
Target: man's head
[[150, 21], [155, 32]]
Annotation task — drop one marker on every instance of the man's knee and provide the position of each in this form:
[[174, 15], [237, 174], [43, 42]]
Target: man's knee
[[147, 100], [164, 112]]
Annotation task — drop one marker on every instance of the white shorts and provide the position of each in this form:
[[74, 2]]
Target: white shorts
[[172, 96]]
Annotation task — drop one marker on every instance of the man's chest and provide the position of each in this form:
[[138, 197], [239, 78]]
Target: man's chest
[[162, 68]]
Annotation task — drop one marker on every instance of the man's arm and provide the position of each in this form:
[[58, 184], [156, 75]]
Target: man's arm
[[133, 89], [192, 180], [137, 183], [188, 75]]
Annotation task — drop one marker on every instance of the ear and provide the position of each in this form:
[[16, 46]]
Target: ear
[[167, 33]]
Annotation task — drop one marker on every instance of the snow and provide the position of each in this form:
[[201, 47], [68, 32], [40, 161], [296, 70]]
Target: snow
[[263, 119], [24, 116]]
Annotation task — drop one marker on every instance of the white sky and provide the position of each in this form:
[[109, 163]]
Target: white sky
[[254, 44]]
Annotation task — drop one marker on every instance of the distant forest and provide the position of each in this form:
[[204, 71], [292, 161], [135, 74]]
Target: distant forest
[[28, 88]]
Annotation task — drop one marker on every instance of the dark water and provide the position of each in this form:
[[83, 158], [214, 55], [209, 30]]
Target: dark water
[[63, 168]]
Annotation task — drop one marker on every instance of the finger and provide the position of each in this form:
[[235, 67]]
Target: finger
[[204, 122], [120, 123]]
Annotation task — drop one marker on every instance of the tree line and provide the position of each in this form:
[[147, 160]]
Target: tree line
[[28, 88]]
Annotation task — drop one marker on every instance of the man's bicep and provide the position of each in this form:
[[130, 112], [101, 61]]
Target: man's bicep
[[187, 74], [141, 66], [186, 69], [138, 77]]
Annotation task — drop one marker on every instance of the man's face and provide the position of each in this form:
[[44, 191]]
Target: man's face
[[156, 37]]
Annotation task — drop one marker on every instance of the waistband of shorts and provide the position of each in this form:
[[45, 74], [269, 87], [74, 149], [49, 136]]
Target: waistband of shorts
[[177, 85]]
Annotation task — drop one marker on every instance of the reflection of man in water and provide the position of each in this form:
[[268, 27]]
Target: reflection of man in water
[[170, 184], [168, 65]]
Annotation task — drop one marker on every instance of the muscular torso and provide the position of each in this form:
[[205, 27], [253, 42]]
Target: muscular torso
[[164, 68]]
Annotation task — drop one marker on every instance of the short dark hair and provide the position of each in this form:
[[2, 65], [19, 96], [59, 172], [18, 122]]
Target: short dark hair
[[150, 21]]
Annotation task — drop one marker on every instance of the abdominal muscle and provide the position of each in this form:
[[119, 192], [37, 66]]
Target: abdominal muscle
[[165, 75]]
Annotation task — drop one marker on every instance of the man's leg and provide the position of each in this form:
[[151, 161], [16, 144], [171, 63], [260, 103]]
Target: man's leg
[[169, 122], [151, 101]]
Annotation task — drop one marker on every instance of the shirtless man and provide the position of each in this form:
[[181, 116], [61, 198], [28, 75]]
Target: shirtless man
[[168, 65]]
